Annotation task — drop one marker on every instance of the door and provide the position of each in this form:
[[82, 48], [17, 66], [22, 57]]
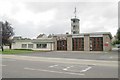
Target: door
[[62, 45], [78, 44], [96, 44]]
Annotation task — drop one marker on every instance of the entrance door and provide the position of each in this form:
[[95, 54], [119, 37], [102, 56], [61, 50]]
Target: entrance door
[[78, 44], [62, 45], [96, 44]]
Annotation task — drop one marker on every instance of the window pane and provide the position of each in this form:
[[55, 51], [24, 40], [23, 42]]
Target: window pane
[[30, 45], [41, 45], [73, 21], [44, 45], [38, 45], [24, 45]]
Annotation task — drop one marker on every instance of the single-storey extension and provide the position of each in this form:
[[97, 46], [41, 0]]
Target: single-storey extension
[[34, 44]]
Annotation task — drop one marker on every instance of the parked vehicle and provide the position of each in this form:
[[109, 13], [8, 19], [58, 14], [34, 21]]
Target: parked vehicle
[[119, 46]]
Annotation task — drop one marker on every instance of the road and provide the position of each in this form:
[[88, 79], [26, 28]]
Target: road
[[92, 55], [24, 66]]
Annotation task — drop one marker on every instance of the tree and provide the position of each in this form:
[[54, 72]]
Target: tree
[[118, 33], [7, 33], [117, 40]]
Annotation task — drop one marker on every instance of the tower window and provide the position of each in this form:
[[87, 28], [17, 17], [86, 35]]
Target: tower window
[[73, 21], [74, 27], [74, 32]]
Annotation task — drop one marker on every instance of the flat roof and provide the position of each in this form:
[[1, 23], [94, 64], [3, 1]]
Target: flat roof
[[62, 35], [96, 33], [43, 40], [35, 40], [82, 34], [75, 19]]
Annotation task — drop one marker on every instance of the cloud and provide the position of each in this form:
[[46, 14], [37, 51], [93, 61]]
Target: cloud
[[99, 17], [24, 15], [29, 19]]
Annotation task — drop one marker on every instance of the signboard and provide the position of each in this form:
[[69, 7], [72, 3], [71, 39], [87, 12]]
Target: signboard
[[105, 44], [77, 36], [96, 35]]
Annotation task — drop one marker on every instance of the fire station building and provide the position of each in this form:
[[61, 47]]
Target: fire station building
[[99, 41], [76, 41]]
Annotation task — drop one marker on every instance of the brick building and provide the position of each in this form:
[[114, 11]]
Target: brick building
[[99, 41], [76, 41]]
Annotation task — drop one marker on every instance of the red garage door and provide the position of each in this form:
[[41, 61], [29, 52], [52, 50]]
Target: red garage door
[[78, 44], [96, 44], [62, 45]]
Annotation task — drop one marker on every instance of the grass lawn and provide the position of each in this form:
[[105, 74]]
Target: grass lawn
[[12, 51], [7, 51]]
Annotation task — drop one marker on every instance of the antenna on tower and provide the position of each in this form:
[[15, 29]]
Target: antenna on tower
[[75, 12]]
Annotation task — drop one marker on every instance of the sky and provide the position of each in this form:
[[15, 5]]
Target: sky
[[31, 18]]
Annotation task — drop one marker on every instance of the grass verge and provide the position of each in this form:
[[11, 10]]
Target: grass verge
[[12, 51], [20, 51]]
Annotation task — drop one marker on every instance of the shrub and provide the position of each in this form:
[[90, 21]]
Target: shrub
[[24, 49], [116, 42]]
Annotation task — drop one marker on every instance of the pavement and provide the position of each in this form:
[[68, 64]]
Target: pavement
[[60, 64], [92, 55], [63, 60]]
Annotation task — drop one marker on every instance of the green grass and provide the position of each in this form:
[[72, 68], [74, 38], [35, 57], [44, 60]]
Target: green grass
[[8, 51], [20, 51]]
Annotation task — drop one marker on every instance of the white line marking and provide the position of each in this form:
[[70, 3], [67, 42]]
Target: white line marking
[[67, 68], [111, 57], [8, 60], [53, 71], [53, 66], [3, 65], [86, 69]]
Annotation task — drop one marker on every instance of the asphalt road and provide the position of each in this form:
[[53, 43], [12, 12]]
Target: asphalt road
[[93, 55], [21, 66]]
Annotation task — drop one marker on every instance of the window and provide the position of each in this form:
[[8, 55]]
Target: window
[[41, 45], [44, 45], [30, 45], [74, 32], [24, 45], [74, 27], [73, 21], [38, 45]]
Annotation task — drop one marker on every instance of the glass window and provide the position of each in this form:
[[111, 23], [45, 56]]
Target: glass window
[[30, 45], [38, 45], [41, 45], [24, 45], [44, 45], [74, 27], [73, 21], [74, 32]]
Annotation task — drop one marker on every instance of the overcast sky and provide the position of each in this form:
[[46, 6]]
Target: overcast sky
[[31, 18]]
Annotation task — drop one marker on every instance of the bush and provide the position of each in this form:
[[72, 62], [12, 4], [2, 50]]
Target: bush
[[116, 42], [24, 49]]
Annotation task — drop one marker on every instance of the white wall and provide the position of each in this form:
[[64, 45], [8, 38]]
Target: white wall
[[18, 45], [6, 47]]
